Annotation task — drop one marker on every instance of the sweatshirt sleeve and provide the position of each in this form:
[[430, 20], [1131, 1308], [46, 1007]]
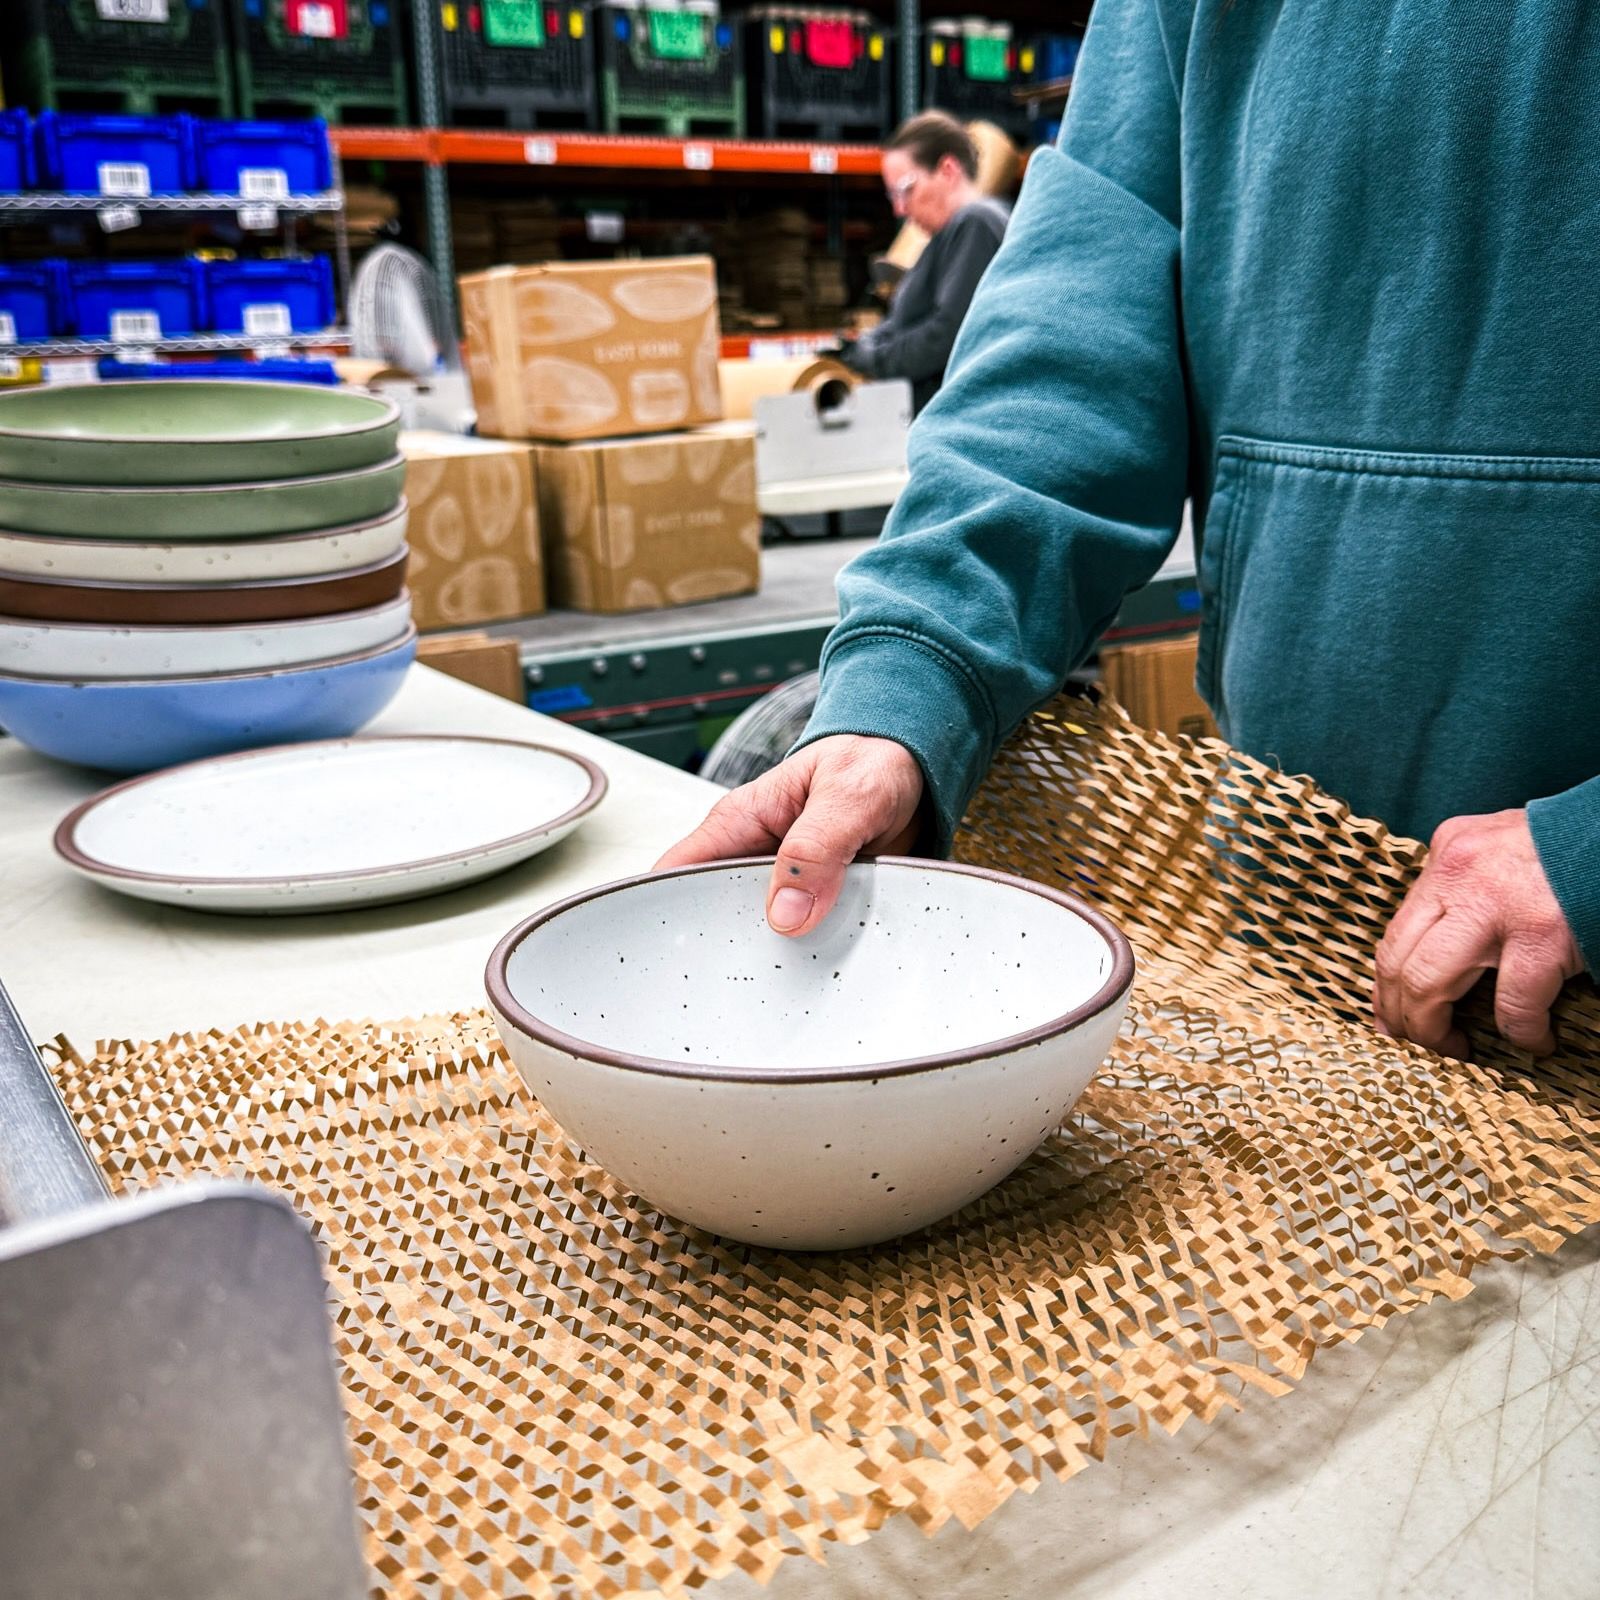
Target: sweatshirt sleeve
[[922, 349], [1566, 833], [1048, 475]]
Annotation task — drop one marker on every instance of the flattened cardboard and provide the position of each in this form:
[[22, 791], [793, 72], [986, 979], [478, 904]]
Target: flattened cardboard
[[476, 554], [632, 524], [574, 350], [491, 664]]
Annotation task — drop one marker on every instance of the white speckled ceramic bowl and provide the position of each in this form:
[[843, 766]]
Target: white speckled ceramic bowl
[[820, 1093]]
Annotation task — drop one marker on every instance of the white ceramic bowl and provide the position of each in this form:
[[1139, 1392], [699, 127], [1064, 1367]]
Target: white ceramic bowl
[[821, 1093], [89, 652], [290, 555]]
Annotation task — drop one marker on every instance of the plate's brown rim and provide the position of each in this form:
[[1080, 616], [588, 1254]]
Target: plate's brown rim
[[29, 580], [211, 629], [1106, 996], [86, 685], [390, 416], [389, 464], [402, 508], [70, 851]]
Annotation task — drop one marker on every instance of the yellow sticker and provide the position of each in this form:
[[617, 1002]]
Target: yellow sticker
[[875, 47], [775, 39], [1027, 61], [936, 53], [449, 17], [575, 24]]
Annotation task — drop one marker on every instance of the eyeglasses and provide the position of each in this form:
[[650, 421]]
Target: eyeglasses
[[898, 191]]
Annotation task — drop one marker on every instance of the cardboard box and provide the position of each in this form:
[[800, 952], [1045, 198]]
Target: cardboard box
[[1154, 683], [635, 523], [475, 658], [476, 554], [590, 350]]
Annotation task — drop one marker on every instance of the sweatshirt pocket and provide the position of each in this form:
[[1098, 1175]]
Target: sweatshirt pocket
[[1418, 632]]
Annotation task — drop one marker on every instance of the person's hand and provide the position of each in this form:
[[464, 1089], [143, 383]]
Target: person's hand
[[841, 797], [1482, 901]]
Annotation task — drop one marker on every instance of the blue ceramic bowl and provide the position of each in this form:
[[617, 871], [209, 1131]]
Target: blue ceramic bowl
[[137, 725]]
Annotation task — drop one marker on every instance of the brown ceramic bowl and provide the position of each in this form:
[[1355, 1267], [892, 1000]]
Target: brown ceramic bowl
[[185, 604]]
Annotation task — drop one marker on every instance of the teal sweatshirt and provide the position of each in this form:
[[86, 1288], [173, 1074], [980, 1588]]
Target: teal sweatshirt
[[1333, 272]]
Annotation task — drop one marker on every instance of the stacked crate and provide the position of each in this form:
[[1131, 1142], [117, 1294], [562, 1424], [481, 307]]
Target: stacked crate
[[343, 60], [973, 69], [674, 70], [516, 63], [817, 74], [163, 55]]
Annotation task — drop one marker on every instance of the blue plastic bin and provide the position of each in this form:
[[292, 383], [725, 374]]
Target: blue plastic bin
[[270, 297], [284, 371], [31, 300], [90, 153], [1055, 56], [110, 297], [256, 157], [16, 152]]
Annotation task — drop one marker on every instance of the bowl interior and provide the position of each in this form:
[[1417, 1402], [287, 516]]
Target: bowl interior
[[916, 960], [225, 412]]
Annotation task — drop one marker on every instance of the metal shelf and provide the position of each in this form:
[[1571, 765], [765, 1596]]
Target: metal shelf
[[198, 344], [51, 204]]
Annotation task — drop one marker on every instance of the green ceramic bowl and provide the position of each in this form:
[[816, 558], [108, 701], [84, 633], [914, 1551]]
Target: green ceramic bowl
[[204, 511], [184, 432]]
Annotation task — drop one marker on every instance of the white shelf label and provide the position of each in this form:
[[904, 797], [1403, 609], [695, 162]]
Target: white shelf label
[[539, 152], [136, 355], [75, 371], [118, 219], [263, 183], [603, 227], [258, 219], [698, 157], [268, 321], [135, 327], [10, 367], [132, 10], [130, 178], [8, 328], [824, 160]]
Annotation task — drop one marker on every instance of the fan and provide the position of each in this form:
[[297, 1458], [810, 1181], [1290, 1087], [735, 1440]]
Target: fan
[[398, 316]]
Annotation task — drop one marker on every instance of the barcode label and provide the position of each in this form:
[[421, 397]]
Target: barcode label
[[697, 157], [132, 10], [135, 327], [8, 328], [824, 160], [268, 320], [263, 183], [539, 152], [118, 219], [258, 219], [130, 178]]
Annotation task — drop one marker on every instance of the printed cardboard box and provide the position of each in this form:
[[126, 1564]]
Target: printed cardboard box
[[1154, 683], [474, 530], [589, 350], [475, 658], [635, 523]]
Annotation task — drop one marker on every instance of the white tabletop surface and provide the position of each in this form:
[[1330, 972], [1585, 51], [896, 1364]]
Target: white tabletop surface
[[1454, 1453]]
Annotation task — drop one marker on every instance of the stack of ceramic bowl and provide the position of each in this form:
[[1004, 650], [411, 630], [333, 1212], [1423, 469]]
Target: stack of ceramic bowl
[[192, 568]]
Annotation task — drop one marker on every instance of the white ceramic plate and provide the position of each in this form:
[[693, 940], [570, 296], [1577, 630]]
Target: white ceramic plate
[[337, 823], [90, 652], [292, 555]]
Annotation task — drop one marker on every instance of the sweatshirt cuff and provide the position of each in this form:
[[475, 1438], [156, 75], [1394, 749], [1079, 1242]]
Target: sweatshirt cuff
[[1566, 833], [894, 686]]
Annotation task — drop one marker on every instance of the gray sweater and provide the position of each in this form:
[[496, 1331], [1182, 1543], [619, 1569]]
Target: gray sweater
[[914, 341]]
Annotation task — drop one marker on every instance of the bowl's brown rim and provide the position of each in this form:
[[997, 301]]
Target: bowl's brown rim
[[510, 1010], [388, 415], [70, 851]]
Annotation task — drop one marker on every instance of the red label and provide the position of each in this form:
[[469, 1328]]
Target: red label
[[317, 19], [830, 44]]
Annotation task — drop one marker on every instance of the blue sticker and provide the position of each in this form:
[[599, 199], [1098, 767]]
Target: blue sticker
[[724, 37], [1188, 599], [573, 697], [622, 29], [380, 16]]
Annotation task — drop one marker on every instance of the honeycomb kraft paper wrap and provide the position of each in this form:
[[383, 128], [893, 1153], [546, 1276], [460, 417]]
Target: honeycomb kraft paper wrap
[[554, 1391]]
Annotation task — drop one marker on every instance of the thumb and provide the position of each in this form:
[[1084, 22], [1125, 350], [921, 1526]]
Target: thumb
[[837, 822]]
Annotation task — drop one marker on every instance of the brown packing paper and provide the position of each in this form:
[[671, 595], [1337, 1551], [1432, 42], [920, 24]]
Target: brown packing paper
[[745, 382], [554, 1392], [476, 554], [636, 523], [588, 350]]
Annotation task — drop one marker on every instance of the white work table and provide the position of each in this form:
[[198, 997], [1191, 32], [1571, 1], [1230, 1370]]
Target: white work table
[[1454, 1453]]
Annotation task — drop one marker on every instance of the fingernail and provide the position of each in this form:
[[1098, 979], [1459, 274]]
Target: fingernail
[[789, 908]]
